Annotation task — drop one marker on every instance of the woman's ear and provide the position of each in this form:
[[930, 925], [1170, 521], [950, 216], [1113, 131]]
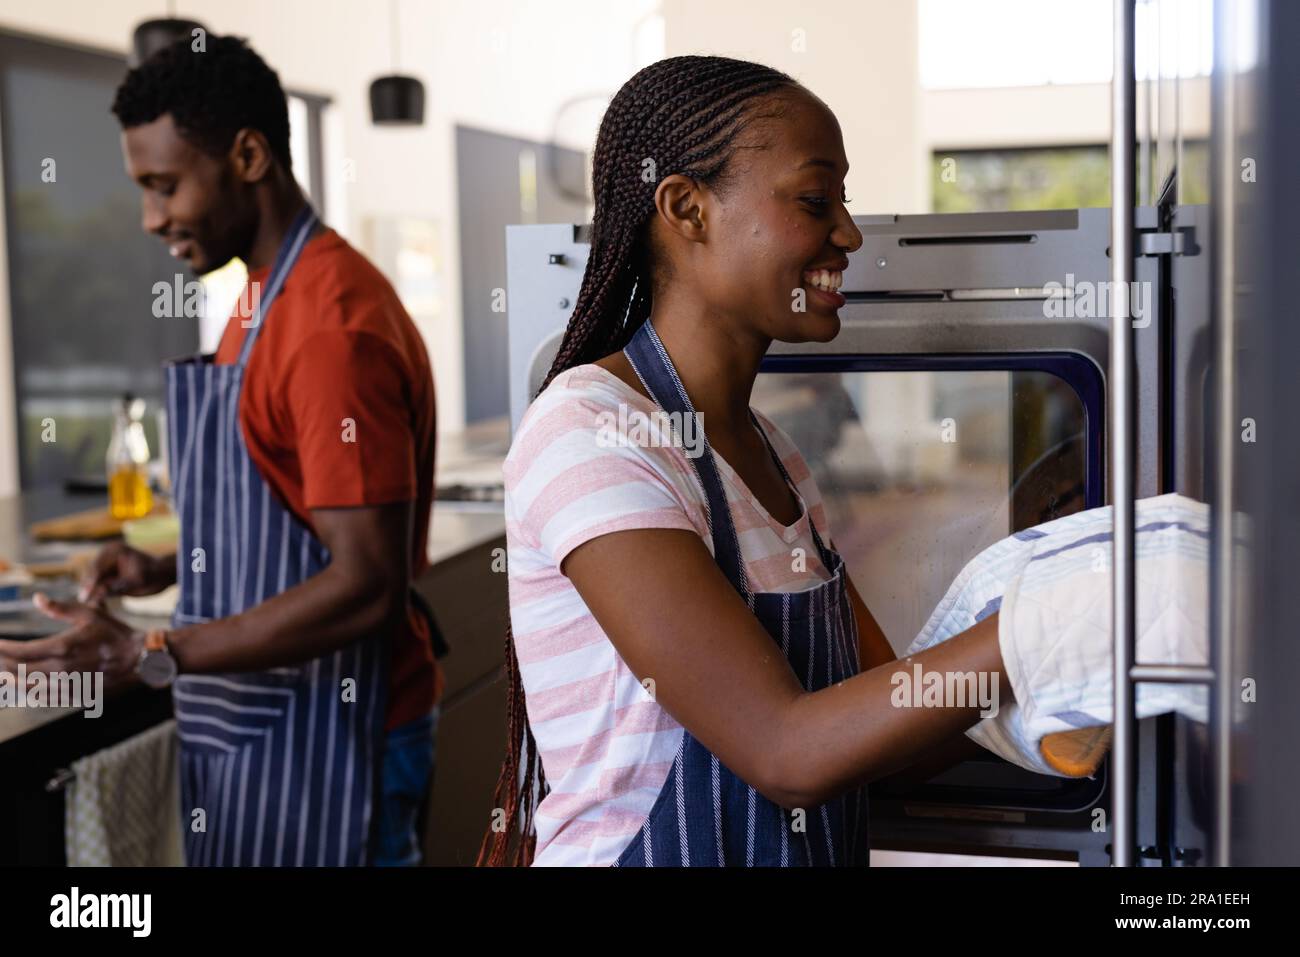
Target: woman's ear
[[681, 203]]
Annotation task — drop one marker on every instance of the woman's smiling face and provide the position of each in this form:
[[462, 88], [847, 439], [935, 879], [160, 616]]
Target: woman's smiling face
[[766, 251]]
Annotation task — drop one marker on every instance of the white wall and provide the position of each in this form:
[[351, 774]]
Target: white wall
[[859, 56]]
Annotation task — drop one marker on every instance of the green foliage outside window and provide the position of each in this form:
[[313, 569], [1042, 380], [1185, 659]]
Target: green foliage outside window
[[1068, 177]]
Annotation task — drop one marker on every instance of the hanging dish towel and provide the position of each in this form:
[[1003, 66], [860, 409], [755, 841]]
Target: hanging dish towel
[[1051, 586], [122, 808]]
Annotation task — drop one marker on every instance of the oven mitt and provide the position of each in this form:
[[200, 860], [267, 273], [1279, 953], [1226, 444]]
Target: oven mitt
[[1052, 589]]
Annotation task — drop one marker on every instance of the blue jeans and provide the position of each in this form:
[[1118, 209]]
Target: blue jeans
[[405, 779]]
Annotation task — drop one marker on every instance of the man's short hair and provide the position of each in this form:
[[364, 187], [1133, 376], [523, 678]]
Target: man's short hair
[[211, 95]]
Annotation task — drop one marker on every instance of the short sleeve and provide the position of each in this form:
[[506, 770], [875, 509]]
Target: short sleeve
[[347, 394], [571, 476]]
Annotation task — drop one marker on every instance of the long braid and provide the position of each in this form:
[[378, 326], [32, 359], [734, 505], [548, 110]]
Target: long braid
[[682, 116]]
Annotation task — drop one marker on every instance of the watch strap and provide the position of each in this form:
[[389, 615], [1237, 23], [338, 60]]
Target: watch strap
[[155, 639]]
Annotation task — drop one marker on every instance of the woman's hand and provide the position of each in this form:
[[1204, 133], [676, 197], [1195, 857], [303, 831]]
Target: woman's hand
[[119, 569]]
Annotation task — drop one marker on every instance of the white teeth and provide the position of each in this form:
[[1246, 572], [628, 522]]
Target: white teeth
[[828, 280]]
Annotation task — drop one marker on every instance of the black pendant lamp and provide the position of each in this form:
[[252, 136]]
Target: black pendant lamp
[[152, 35], [396, 99]]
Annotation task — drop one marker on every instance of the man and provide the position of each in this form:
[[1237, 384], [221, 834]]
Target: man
[[303, 474]]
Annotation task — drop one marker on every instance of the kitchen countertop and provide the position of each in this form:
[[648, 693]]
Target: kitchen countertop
[[470, 460]]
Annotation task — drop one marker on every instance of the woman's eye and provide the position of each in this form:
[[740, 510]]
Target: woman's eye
[[821, 202]]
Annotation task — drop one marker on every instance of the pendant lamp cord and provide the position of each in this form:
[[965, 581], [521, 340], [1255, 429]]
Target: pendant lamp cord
[[392, 9]]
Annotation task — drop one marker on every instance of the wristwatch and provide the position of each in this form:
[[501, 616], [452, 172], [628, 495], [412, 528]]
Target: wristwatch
[[157, 666]]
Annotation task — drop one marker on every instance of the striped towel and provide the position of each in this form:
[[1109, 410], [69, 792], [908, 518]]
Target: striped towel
[[1052, 588]]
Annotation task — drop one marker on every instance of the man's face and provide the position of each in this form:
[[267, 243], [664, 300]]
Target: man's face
[[191, 200]]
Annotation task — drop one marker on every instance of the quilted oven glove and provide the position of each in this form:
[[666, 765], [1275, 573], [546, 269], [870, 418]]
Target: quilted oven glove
[[1052, 588]]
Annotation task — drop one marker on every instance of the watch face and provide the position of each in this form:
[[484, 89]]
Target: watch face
[[158, 669]]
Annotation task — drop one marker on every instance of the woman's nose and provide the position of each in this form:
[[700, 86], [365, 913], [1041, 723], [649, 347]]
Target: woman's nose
[[847, 235]]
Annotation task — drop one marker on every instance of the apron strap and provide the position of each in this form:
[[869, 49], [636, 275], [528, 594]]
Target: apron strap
[[822, 550], [650, 361], [290, 248]]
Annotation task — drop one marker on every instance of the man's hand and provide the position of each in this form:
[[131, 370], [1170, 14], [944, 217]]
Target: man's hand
[[119, 569], [95, 641]]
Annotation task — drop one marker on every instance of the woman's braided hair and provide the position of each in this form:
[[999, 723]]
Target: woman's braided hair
[[682, 116]]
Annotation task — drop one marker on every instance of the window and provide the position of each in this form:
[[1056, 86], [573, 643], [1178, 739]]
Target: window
[[921, 470], [1067, 177], [81, 272]]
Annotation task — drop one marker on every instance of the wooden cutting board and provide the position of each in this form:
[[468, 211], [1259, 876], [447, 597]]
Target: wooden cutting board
[[1077, 753], [93, 524], [71, 567]]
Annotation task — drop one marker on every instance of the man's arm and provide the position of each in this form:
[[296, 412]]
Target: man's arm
[[363, 591]]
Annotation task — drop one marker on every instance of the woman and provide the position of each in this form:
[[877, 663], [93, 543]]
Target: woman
[[689, 663]]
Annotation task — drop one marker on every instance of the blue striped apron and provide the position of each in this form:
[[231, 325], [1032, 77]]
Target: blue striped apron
[[705, 815], [278, 767]]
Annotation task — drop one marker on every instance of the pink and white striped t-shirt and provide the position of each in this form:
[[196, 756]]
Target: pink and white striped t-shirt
[[606, 746]]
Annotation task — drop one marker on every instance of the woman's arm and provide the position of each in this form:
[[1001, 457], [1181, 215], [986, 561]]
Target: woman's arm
[[675, 619], [874, 649]]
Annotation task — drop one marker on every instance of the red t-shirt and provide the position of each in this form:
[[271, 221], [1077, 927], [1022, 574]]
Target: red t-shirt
[[338, 345]]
